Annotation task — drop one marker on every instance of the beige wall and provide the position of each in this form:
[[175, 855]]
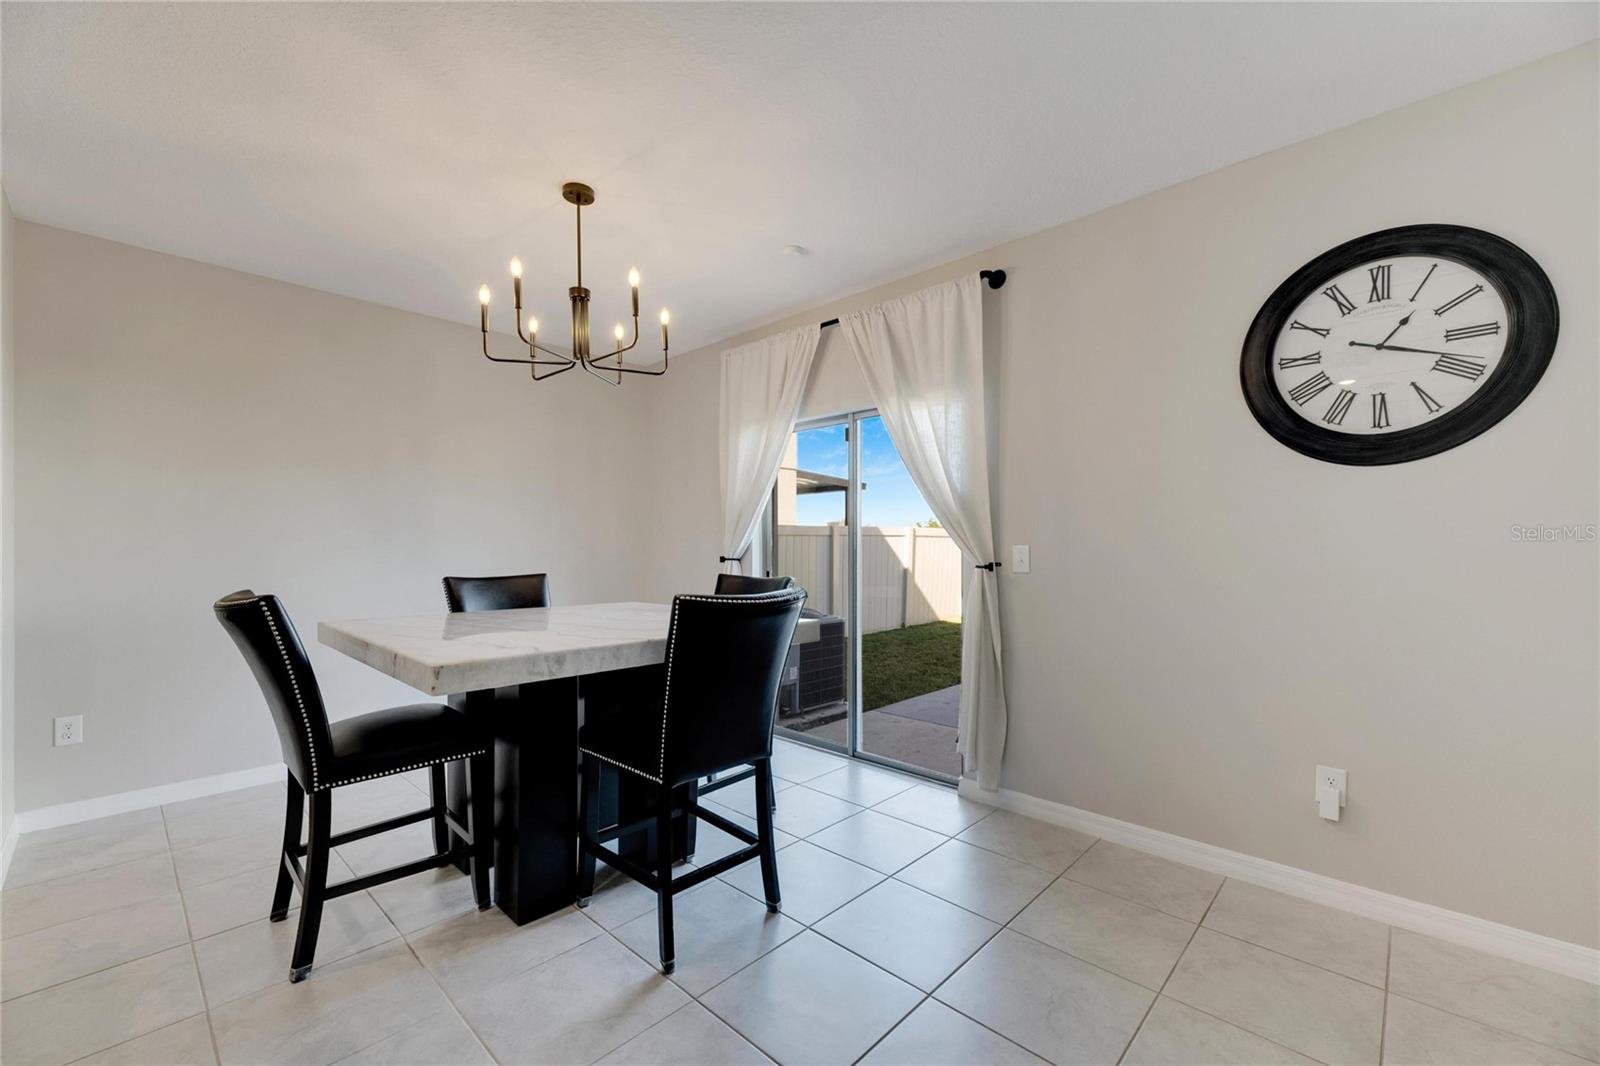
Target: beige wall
[[8, 640], [1210, 615], [184, 430]]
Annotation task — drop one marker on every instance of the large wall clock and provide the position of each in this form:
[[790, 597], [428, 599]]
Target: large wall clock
[[1399, 345]]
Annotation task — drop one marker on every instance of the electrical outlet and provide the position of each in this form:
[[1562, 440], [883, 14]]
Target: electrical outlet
[[1331, 777], [69, 730]]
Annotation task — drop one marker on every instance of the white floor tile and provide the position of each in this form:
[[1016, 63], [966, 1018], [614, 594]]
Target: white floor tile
[[68, 1021], [1127, 938], [917, 937], [799, 763], [335, 1012], [1047, 1001], [811, 1001], [1331, 1018], [886, 844], [1547, 1008], [862, 784], [689, 1036], [476, 952], [1335, 940], [1181, 891], [1416, 1033], [1049, 847], [981, 881], [71, 850], [47, 903], [717, 930], [74, 949], [437, 1039], [936, 1034], [256, 956], [575, 1008], [802, 811], [935, 807], [185, 1043], [1177, 1035], [811, 882]]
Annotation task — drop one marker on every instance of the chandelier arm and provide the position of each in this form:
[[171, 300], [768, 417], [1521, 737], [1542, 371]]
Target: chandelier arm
[[648, 373], [524, 362], [540, 377], [595, 359], [564, 357], [591, 370]]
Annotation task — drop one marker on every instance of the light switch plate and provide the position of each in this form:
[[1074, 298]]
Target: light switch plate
[[1019, 559]]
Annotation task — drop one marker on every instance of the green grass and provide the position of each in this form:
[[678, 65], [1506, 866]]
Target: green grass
[[897, 664]]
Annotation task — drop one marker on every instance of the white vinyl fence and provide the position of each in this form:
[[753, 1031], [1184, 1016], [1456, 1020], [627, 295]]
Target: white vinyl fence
[[909, 575]]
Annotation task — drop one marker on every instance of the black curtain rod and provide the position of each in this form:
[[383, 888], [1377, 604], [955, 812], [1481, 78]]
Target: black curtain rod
[[995, 278]]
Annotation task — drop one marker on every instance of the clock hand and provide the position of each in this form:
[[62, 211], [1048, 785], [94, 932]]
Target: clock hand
[[1399, 348], [1396, 329]]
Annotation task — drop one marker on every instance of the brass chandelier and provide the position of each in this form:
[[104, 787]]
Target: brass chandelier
[[580, 196]]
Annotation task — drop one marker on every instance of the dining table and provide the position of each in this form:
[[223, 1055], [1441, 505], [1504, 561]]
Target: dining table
[[532, 675]]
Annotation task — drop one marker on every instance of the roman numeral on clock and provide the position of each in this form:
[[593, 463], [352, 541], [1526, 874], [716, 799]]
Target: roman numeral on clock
[[1488, 329], [1463, 298], [1460, 366], [1339, 407], [1427, 401], [1380, 410], [1310, 387], [1380, 283], [1287, 361], [1340, 300], [1297, 324]]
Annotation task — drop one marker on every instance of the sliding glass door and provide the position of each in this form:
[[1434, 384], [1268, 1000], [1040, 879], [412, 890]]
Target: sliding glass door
[[879, 676]]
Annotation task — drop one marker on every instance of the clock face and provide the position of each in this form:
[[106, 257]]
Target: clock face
[[1399, 345], [1390, 344]]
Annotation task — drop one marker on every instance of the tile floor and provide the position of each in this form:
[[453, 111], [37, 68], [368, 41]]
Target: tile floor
[[918, 928]]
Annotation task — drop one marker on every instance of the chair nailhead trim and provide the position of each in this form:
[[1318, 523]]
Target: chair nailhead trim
[[621, 765], [294, 683], [401, 769]]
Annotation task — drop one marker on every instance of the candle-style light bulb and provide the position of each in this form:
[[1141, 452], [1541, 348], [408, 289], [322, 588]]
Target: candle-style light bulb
[[533, 327], [483, 308], [633, 283], [516, 268], [665, 318], [618, 333], [483, 295]]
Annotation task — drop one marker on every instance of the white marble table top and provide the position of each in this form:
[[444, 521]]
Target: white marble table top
[[441, 654]]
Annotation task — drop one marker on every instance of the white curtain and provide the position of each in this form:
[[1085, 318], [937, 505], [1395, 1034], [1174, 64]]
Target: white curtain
[[762, 384], [922, 356]]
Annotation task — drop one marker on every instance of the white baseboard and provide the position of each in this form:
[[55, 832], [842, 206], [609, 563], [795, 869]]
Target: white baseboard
[[7, 848], [143, 798], [1548, 953]]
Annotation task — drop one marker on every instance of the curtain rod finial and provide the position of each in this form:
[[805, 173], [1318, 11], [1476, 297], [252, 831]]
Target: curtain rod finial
[[995, 278]]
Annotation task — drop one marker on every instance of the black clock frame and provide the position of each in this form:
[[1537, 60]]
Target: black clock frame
[[1532, 323]]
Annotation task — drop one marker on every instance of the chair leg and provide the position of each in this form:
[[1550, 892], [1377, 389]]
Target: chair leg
[[664, 877], [589, 828], [769, 854], [316, 884], [480, 822], [438, 802], [293, 808]]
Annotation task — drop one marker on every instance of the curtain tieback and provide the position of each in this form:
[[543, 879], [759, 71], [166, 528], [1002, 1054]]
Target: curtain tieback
[[730, 558], [987, 566]]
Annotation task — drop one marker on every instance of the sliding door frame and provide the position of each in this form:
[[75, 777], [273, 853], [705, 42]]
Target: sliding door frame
[[853, 525]]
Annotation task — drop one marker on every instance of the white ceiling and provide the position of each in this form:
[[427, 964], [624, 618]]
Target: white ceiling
[[403, 153]]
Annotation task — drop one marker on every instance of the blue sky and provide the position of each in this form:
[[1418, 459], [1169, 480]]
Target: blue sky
[[890, 499]]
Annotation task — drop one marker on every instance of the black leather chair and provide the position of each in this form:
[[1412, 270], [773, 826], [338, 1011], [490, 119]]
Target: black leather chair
[[724, 662], [742, 585], [507, 593], [324, 755]]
